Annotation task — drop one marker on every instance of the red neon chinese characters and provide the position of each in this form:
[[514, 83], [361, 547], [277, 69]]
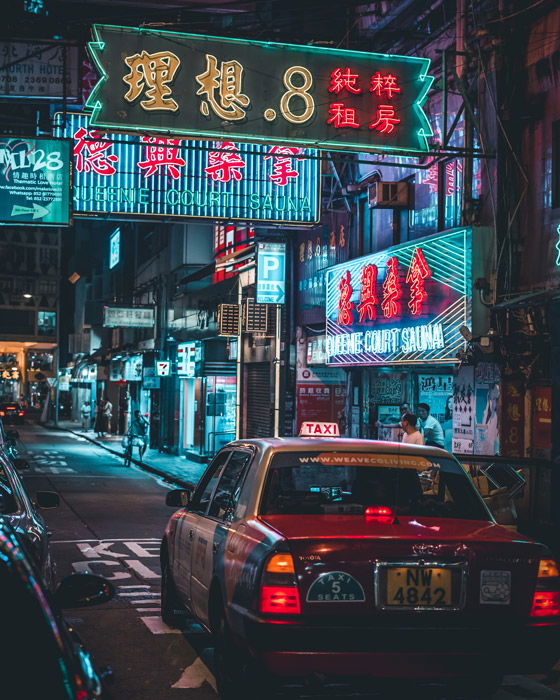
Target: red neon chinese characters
[[282, 169], [345, 306], [225, 164], [343, 79], [391, 305], [418, 272], [386, 119], [384, 84], [165, 153], [342, 116], [90, 151], [368, 295]]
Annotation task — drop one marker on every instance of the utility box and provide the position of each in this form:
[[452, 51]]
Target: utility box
[[389, 195]]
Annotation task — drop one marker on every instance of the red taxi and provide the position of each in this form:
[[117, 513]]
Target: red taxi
[[313, 558]]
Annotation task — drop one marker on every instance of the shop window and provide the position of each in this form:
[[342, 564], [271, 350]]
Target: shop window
[[46, 323]]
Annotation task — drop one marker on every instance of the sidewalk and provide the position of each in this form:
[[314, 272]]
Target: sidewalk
[[177, 470]]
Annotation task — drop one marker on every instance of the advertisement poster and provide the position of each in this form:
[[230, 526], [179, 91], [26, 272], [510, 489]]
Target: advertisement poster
[[464, 411], [34, 181], [387, 389], [487, 392], [437, 391], [321, 396]]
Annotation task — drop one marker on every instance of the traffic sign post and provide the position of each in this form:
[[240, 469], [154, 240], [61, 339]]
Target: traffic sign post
[[271, 273], [35, 182]]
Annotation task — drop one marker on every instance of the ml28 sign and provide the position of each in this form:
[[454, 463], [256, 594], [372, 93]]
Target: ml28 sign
[[149, 175], [254, 91], [404, 305]]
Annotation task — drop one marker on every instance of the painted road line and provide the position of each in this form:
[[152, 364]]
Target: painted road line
[[157, 626], [109, 539], [133, 594], [195, 675]]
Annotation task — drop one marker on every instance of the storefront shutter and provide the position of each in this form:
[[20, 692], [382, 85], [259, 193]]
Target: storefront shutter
[[258, 400]]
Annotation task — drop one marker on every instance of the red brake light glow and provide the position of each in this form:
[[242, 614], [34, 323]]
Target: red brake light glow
[[381, 514], [283, 600], [546, 604], [21, 413]]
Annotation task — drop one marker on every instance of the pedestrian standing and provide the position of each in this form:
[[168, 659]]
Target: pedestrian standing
[[139, 432], [85, 413], [412, 436], [108, 414], [99, 423], [430, 427]]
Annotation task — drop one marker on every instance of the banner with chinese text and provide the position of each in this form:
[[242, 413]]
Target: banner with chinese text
[[249, 90], [126, 175], [35, 182], [403, 305]]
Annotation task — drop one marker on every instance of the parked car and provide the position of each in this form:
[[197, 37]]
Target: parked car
[[42, 656], [341, 559], [21, 512], [12, 412]]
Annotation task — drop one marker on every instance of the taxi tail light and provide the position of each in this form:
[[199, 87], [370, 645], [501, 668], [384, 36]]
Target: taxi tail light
[[2, 413], [279, 592], [545, 604], [21, 413], [546, 598], [280, 599], [380, 514]]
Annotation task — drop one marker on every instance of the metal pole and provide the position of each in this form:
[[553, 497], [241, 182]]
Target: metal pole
[[238, 362], [277, 342]]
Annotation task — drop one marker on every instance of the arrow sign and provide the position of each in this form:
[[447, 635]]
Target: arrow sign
[[36, 210]]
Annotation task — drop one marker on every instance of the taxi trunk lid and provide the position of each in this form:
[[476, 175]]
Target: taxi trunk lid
[[341, 563]]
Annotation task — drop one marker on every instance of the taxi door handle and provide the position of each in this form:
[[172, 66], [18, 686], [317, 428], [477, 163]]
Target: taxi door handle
[[215, 547], [191, 533]]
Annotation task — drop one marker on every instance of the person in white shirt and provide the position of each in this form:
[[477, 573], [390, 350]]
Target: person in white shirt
[[412, 435], [429, 427]]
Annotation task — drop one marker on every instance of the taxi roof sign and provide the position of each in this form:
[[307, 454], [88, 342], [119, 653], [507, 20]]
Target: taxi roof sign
[[313, 429]]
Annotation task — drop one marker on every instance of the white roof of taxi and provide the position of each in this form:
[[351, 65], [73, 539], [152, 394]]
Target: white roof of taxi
[[309, 444]]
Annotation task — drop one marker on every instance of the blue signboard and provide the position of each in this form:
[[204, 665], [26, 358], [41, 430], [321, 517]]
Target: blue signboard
[[403, 305], [114, 248], [271, 273], [123, 175]]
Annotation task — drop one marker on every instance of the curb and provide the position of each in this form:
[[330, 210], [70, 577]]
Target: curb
[[146, 467]]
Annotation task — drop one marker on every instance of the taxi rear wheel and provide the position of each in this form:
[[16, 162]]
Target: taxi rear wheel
[[172, 610], [236, 675]]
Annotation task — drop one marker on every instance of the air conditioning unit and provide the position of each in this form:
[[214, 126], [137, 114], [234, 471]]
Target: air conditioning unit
[[389, 195]]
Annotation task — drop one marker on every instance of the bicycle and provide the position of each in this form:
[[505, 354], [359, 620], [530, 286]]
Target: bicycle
[[129, 442]]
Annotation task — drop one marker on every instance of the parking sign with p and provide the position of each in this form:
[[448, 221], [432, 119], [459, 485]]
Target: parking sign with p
[[271, 273]]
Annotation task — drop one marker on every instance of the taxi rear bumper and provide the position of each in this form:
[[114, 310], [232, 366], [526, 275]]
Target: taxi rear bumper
[[289, 648]]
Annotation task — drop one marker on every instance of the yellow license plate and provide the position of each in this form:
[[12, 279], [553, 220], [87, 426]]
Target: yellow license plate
[[418, 587]]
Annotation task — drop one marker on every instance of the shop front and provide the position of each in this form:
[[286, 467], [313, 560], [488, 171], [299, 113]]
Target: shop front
[[208, 391], [397, 322]]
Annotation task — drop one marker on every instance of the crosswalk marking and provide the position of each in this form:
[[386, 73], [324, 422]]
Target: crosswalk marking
[[157, 626]]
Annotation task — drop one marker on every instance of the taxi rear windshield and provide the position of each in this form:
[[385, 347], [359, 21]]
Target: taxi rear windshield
[[346, 483]]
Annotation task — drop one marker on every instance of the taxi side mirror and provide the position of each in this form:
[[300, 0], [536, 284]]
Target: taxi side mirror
[[178, 498]]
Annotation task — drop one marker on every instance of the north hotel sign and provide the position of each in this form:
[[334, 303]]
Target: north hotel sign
[[229, 89], [404, 305]]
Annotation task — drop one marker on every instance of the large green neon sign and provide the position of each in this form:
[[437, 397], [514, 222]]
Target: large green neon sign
[[254, 91]]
